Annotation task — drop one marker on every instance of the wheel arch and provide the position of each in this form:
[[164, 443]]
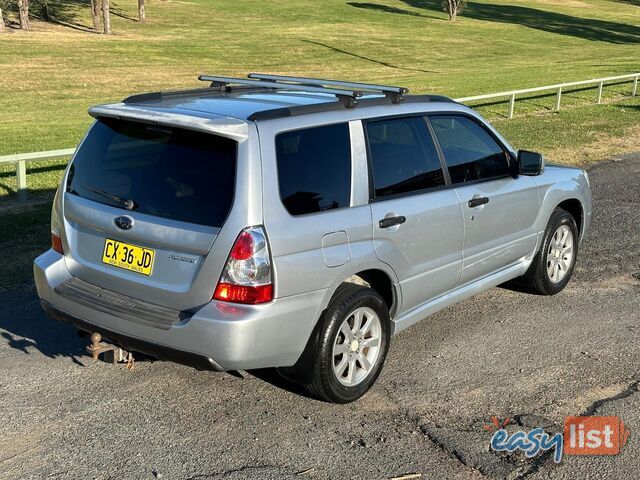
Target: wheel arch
[[569, 189], [381, 282], [379, 279], [576, 209]]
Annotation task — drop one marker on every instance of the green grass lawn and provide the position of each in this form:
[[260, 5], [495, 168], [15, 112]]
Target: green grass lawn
[[24, 236], [50, 76]]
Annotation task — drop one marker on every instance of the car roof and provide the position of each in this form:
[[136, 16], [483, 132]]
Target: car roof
[[251, 104]]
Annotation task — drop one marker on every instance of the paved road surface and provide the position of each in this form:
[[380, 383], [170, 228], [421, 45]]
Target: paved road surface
[[502, 353]]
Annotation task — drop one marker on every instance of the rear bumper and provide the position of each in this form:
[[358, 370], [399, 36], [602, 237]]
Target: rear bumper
[[199, 362], [219, 336]]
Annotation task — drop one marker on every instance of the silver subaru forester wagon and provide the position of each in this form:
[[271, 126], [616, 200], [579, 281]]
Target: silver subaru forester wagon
[[297, 223]]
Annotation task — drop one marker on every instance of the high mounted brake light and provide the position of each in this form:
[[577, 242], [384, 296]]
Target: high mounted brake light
[[246, 277]]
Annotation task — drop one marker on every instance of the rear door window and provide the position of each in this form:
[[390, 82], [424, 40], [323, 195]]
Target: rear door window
[[314, 168], [470, 152], [167, 172], [403, 156]]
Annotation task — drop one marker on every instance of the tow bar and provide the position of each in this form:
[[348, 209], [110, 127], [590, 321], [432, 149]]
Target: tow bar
[[113, 353]]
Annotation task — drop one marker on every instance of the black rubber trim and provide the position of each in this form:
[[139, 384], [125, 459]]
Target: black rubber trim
[[331, 106], [119, 305], [195, 360]]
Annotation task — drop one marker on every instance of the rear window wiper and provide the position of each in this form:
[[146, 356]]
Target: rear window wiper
[[125, 202]]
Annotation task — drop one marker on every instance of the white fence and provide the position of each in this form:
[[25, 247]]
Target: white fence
[[558, 88], [21, 158]]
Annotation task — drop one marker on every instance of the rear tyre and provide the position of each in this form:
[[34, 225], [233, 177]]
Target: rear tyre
[[353, 340], [554, 263]]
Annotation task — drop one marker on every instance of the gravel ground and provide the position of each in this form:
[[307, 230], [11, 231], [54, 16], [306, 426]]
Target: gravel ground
[[504, 353]]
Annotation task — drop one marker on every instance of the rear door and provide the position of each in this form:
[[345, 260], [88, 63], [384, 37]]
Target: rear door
[[417, 221], [500, 211], [143, 206]]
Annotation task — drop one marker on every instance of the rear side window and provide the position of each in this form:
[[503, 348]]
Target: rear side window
[[469, 151], [172, 173], [314, 168], [403, 156]]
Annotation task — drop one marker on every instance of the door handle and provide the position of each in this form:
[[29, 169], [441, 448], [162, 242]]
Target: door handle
[[392, 221], [477, 201]]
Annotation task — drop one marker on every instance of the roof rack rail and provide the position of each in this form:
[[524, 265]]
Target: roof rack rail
[[295, 110], [394, 93], [348, 97], [141, 97]]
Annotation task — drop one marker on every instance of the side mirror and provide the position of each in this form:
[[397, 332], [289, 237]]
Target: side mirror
[[530, 163]]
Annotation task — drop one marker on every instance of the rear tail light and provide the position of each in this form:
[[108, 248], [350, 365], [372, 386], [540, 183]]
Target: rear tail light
[[246, 277], [56, 241]]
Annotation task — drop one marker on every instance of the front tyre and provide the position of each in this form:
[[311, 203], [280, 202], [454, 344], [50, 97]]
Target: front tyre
[[352, 345], [554, 263]]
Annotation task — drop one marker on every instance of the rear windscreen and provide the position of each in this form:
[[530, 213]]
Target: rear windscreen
[[168, 172]]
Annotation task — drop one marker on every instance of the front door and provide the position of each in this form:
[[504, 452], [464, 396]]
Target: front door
[[499, 210], [417, 221]]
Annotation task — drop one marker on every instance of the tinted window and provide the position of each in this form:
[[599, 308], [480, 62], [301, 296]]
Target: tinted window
[[314, 168], [172, 173], [403, 156], [470, 152]]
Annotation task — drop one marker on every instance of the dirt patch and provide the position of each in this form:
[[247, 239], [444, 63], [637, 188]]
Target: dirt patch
[[605, 146], [589, 397], [627, 282], [378, 402], [565, 3], [13, 447], [245, 473]]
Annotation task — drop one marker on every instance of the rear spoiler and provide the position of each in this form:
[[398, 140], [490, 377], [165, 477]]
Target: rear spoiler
[[220, 125]]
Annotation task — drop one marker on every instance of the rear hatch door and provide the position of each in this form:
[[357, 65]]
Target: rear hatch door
[[143, 206]]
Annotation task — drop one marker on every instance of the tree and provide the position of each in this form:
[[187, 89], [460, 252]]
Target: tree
[[96, 12], [1, 21], [453, 7], [106, 21], [23, 10], [141, 15]]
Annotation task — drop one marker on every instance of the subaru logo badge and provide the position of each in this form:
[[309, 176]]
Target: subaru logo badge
[[124, 223]]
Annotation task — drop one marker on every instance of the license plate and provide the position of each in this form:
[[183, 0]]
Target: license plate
[[127, 256]]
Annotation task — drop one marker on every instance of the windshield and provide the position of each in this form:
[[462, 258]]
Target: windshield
[[167, 172]]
